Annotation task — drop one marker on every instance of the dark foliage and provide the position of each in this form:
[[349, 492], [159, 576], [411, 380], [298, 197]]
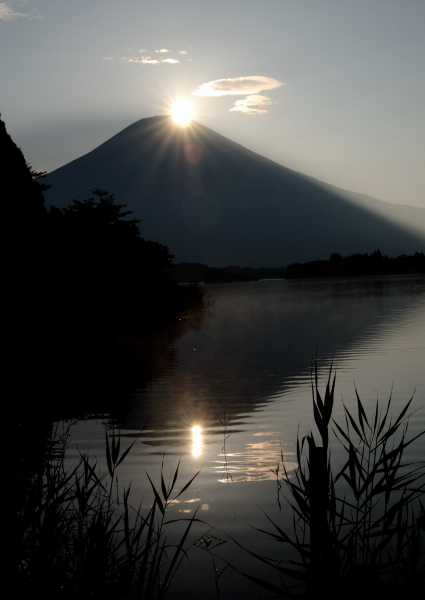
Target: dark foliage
[[105, 273], [19, 184]]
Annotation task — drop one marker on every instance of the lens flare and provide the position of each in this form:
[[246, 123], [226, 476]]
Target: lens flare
[[196, 441], [182, 112]]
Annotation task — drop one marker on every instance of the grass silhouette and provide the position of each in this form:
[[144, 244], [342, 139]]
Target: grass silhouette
[[357, 533], [77, 538]]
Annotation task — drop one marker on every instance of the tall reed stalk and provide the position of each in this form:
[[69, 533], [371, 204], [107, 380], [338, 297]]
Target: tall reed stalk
[[79, 538], [358, 534], [224, 422]]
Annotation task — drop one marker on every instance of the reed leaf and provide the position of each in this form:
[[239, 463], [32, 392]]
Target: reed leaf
[[354, 424], [184, 488], [361, 413], [382, 425], [108, 455], [170, 571]]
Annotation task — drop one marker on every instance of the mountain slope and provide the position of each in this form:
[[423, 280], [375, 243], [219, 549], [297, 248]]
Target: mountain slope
[[213, 201]]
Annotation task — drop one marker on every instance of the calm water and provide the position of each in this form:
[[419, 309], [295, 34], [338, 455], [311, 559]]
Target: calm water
[[247, 361]]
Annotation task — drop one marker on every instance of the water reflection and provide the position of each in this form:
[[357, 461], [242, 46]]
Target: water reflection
[[255, 462], [252, 359], [257, 344], [197, 441]]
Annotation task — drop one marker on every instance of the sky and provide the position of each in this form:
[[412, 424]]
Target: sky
[[334, 89]]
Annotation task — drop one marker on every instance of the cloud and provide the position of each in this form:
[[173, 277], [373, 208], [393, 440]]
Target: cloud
[[145, 60], [238, 86], [182, 52], [7, 13], [248, 105], [148, 60]]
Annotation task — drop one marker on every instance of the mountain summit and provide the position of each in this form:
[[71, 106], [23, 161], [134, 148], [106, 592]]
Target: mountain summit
[[213, 201]]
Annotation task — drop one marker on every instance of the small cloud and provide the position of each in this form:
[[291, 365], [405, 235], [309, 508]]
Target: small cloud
[[7, 13], [145, 60], [253, 84], [248, 105], [182, 52], [162, 51], [148, 60]]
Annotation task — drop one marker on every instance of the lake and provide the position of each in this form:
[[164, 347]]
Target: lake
[[240, 374]]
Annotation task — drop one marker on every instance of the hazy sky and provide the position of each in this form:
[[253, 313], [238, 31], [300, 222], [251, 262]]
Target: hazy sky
[[331, 88]]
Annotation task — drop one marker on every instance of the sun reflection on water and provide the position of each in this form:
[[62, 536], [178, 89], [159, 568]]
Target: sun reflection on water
[[197, 441]]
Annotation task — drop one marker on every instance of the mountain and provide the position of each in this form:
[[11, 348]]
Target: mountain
[[213, 201]]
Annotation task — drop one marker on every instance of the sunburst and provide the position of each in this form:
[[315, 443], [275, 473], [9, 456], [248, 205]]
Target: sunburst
[[182, 112]]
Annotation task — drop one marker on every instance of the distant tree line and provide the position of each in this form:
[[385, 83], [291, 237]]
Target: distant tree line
[[198, 272], [337, 266], [358, 264]]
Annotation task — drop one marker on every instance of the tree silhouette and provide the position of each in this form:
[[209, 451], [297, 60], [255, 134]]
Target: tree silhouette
[[98, 258], [26, 200]]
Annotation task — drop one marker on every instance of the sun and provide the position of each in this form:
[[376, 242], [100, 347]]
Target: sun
[[182, 112]]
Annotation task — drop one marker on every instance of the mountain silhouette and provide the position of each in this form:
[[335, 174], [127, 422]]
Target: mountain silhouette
[[213, 201]]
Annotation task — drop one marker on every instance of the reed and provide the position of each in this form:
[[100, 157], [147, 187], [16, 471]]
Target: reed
[[224, 422], [78, 537], [357, 533]]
